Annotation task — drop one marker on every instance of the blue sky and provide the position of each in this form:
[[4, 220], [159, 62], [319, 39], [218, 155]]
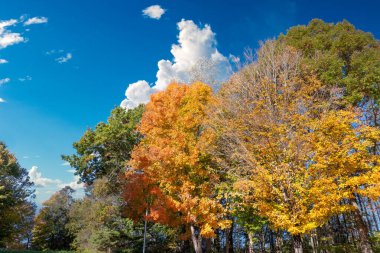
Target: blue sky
[[70, 71]]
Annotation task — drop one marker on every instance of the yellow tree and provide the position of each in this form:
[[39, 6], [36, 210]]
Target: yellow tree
[[170, 154], [300, 157]]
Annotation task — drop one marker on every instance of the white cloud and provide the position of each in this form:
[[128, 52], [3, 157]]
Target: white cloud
[[47, 186], [2, 100], [35, 20], [64, 59], [73, 184], [6, 23], [154, 11], [65, 164], [71, 171], [196, 58], [26, 78], [2, 61], [137, 93], [38, 180], [8, 38], [4, 81]]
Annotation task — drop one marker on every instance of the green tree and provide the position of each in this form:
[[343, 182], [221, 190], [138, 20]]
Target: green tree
[[50, 230], [104, 150], [16, 192], [341, 56], [98, 224], [95, 220], [98, 220]]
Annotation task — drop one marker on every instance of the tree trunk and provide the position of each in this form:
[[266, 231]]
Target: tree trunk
[[365, 246], [313, 243], [279, 241], [363, 211], [229, 239], [208, 245], [250, 242], [373, 212], [297, 244], [272, 243], [217, 241], [186, 247], [262, 240], [145, 229], [197, 240]]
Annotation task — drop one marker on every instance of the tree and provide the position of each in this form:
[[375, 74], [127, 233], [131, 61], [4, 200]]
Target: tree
[[104, 150], [16, 193], [347, 58], [271, 119], [170, 154], [340, 55], [98, 224], [23, 226], [50, 232]]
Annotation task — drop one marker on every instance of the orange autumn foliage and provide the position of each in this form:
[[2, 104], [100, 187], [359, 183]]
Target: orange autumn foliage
[[171, 157]]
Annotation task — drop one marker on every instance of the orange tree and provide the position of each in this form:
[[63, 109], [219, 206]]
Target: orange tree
[[171, 157]]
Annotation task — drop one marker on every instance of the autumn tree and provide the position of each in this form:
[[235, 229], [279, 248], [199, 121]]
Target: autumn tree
[[16, 208], [275, 123], [104, 219], [347, 58], [50, 230], [98, 224], [170, 154]]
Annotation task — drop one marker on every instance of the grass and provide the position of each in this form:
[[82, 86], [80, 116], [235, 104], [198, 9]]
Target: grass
[[32, 251]]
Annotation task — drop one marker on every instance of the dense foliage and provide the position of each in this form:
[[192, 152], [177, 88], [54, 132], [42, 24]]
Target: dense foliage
[[104, 150], [50, 230], [16, 207], [283, 157]]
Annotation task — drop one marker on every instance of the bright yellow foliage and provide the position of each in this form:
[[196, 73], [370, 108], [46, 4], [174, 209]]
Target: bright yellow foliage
[[297, 153]]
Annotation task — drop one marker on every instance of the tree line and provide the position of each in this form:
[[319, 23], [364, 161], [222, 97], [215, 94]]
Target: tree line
[[283, 157]]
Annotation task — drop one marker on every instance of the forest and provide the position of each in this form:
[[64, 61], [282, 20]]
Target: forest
[[282, 157]]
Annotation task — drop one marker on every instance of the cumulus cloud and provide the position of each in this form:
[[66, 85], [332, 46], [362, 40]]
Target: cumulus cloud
[[35, 20], [137, 93], [154, 11], [2, 100], [195, 58], [8, 38], [4, 81], [38, 180], [64, 59], [2, 61], [47, 186], [73, 184]]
